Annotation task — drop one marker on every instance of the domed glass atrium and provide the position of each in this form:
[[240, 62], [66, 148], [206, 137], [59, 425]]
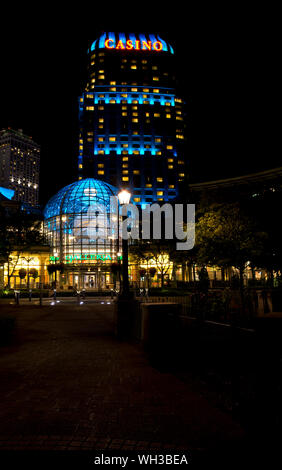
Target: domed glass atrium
[[81, 224]]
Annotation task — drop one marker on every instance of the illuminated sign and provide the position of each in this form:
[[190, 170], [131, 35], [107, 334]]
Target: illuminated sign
[[137, 45], [83, 257]]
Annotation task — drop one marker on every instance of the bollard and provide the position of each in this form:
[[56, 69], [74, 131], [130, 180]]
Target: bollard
[[30, 295], [83, 294], [78, 296], [55, 295]]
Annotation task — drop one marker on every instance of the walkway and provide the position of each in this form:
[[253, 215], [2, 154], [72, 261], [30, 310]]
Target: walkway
[[67, 383]]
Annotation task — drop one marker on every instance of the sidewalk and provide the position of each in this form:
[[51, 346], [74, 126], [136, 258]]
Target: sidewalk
[[67, 383]]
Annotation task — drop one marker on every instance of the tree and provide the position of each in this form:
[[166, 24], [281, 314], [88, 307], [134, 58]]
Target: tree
[[228, 236], [34, 273], [19, 232], [156, 252], [22, 274]]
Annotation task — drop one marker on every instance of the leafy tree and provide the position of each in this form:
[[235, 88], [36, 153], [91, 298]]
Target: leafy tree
[[19, 232], [157, 251], [228, 236]]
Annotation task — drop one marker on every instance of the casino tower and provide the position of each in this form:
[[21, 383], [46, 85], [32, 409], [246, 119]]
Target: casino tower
[[131, 117]]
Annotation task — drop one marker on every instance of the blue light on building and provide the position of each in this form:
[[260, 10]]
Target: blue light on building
[[8, 193], [132, 118]]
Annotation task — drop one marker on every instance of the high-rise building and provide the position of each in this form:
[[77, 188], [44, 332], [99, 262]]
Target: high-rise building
[[20, 162], [132, 117]]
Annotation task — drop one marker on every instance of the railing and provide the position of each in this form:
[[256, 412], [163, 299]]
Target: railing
[[185, 301]]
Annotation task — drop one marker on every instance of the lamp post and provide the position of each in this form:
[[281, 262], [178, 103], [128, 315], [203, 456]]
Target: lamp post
[[124, 199]]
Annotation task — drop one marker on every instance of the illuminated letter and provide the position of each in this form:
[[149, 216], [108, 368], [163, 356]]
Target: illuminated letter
[[147, 45], [157, 46], [129, 45], [137, 45], [107, 44], [120, 45]]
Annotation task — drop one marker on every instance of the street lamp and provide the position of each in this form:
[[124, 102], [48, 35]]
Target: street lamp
[[124, 199]]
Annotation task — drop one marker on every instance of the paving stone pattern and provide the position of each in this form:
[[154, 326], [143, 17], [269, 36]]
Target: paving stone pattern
[[68, 384]]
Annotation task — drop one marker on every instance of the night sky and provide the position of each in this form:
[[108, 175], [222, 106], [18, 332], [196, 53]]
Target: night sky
[[228, 73]]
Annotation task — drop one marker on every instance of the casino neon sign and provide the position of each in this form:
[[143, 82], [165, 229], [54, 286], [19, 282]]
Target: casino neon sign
[[137, 46]]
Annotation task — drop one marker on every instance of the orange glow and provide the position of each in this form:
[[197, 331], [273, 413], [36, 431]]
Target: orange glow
[[147, 45], [156, 46], [107, 44], [120, 45], [129, 45]]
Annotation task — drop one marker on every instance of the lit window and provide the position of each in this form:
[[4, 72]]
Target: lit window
[[136, 172], [112, 139], [160, 193], [125, 178], [101, 172], [137, 199]]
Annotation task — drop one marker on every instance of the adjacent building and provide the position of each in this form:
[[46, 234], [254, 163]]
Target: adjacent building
[[132, 117], [19, 165]]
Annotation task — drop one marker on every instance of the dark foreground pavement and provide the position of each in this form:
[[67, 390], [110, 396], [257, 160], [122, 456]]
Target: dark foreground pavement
[[67, 383]]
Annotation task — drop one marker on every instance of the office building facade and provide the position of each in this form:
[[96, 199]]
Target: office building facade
[[20, 164], [131, 118]]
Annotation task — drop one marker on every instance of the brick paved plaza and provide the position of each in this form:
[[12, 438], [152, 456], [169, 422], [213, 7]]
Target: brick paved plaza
[[68, 383]]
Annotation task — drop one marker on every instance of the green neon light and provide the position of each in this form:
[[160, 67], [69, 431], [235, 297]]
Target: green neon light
[[83, 257], [86, 257]]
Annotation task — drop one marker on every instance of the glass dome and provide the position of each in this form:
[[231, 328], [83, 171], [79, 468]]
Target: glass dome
[[78, 197], [81, 224]]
